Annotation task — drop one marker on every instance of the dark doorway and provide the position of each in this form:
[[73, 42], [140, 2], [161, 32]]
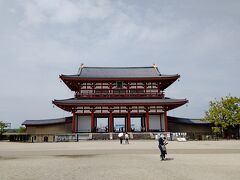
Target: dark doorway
[[45, 139]]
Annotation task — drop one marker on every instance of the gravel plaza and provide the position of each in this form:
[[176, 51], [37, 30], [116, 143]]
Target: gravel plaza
[[110, 160]]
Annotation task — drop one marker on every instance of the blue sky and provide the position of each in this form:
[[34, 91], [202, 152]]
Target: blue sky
[[41, 39]]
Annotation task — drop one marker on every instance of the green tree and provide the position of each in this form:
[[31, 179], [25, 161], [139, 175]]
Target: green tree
[[224, 113], [2, 128], [21, 129]]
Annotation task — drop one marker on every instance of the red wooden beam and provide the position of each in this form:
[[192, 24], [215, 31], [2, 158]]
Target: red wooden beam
[[110, 128], [73, 123], [129, 121], [147, 121], [106, 79], [92, 121], [165, 121]]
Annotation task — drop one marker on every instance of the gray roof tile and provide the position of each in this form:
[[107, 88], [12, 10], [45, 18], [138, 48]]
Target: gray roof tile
[[118, 101], [187, 120], [119, 72], [47, 121]]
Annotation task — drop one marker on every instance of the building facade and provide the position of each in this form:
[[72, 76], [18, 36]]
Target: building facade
[[117, 97]]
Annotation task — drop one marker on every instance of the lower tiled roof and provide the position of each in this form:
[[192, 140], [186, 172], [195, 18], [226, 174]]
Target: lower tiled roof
[[47, 121], [186, 120], [69, 120], [119, 101]]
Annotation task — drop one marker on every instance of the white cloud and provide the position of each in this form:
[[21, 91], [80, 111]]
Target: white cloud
[[41, 39], [65, 12]]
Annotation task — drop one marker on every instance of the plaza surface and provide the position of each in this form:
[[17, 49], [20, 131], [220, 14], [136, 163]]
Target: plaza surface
[[109, 160]]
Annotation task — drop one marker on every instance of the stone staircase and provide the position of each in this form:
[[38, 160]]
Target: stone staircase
[[84, 136]]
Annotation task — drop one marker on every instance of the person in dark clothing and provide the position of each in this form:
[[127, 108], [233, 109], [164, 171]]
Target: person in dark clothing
[[162, 147], [171, 136], [121, 139]]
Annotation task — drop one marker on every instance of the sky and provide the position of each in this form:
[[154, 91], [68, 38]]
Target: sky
[[41, 39]]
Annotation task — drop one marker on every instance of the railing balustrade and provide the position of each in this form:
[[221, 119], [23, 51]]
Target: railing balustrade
[[113, 95]]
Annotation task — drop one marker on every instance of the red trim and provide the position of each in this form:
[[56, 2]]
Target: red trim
[[126, 104], [147, 121], [73, 123], [119, 95], [92, 121], [165, 121], [129, 121], [170, 77], [167, 106], [71, 82], [119, 114], [110, 122], [160, 118]]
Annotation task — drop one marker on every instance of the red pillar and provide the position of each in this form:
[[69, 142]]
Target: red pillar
[[110, 129], [92, 121], [165, 121], [160, 122], [147, 121], [73, 123], [129, 122]]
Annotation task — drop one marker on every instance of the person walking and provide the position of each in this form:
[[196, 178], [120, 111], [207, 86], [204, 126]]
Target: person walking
[[126, 138], [162, 147], [120, 135]]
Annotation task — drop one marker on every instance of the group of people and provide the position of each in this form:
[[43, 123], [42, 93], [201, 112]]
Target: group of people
[[162, 142], [122, 136]]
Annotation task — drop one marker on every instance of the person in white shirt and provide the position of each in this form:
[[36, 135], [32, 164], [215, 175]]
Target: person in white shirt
[[126, 138]]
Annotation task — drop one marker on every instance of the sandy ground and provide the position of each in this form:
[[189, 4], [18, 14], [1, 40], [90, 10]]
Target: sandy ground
[[109, 160]]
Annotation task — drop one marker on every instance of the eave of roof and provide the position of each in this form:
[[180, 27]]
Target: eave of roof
[[77, 101], [187, 121], [70, 104], [96, 78]]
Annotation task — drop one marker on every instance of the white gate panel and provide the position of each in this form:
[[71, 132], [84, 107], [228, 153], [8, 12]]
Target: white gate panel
[[84, 124], [163, 122], [154, 122]]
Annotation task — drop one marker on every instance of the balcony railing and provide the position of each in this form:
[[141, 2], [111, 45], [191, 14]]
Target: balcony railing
[[120, 95]]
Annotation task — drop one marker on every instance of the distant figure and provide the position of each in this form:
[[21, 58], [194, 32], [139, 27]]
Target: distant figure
[[126, 138], [106, 129], [121, 129], [162, 146], [171, 136], [120, 135]]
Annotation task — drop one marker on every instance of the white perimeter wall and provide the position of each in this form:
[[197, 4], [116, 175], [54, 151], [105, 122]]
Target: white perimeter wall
[[84, 124]]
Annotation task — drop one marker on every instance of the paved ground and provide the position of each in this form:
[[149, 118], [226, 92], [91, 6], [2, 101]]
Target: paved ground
[[109, 160]]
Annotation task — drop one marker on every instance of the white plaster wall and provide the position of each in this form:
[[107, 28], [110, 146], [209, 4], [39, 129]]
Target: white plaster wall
[[163, 122], [84, 124], [154, 122]]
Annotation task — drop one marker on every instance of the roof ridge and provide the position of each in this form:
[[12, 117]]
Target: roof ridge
[[111, 67]]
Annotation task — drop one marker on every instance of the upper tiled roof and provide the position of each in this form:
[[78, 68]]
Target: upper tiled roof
[[118, 72]]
